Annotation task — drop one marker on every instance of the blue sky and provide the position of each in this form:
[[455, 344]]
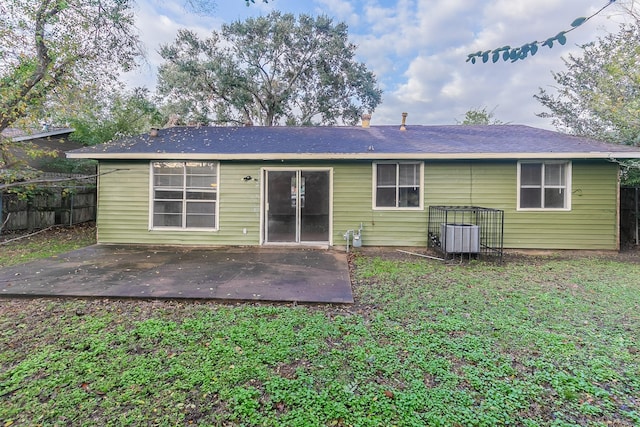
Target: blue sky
[[418, 48]]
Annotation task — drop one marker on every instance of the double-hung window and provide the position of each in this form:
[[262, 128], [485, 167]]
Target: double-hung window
[[544, 185], [397, 185], [184, 195]]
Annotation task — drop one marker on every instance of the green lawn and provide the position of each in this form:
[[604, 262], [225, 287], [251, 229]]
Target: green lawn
[[535, 341], [17, 249]]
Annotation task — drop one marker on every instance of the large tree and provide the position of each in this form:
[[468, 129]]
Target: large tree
[[271, 70], [598, 95], [480, 116], [54, 45], [98, 116], [101, 118], [53, 51]]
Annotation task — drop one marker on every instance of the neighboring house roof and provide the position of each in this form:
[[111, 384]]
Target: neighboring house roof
[[51, 140], [18, 135], [375, 142]]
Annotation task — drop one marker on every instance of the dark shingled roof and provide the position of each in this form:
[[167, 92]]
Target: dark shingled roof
[[448, 141]]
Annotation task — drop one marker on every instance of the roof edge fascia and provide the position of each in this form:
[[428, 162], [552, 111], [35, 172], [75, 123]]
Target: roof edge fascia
[[355, 156]]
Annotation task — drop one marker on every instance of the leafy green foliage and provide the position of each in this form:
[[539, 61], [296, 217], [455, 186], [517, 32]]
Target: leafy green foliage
[[480, 116], [513, 54], [102, 119], [536, 341], [55, 46], [71, 166], [630, 173], [276, 69], [597, 95], [14, 176], [17, 157]]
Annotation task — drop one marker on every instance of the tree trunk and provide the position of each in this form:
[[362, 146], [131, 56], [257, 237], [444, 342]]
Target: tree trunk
[[10, 110]]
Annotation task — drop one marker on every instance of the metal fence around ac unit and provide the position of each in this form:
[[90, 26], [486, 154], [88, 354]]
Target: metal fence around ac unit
[[466, 231]]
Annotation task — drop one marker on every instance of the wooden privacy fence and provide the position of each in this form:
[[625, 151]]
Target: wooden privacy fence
[[629, 216], [53, 205]]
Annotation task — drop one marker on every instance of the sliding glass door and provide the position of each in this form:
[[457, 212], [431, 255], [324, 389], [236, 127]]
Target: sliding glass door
[[297, 208]]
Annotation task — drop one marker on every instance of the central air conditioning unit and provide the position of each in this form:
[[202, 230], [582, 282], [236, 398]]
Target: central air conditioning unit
[[460, 238]]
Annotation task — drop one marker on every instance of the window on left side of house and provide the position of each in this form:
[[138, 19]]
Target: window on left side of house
[[185, 195]]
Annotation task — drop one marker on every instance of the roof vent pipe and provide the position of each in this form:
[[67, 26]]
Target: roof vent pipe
[[366, 120], [404, 122], [153, 132]]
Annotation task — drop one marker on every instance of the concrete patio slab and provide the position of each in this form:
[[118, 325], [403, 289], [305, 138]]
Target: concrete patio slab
[[265, 274]]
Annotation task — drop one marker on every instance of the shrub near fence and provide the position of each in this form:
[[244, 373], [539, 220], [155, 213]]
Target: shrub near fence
[[56, 206]]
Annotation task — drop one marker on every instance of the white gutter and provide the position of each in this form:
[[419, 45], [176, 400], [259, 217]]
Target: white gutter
[[354, 156]]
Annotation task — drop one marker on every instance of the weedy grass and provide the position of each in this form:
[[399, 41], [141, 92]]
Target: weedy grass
[[17, 249], [532, 342]]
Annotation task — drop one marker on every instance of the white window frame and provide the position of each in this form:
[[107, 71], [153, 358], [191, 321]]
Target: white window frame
[[374, 192], [567, 187], [215, 189]]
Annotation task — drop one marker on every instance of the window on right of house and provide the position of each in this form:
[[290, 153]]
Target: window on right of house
[[544, 185]]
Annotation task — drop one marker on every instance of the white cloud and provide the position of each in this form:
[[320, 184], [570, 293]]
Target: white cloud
[[342, 11], [435, 39], [418, 48], [159, 26]]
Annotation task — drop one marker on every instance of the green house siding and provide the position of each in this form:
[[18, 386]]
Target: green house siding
[[123, 202], [123, 214], [239, 205], [590, 224], [123, 198], [352, 199]]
